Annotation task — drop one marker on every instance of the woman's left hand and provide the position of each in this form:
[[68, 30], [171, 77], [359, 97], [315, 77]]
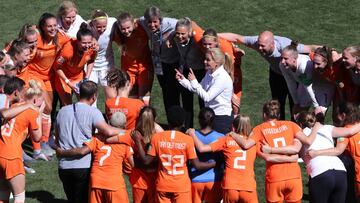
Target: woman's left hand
[[191, 75]]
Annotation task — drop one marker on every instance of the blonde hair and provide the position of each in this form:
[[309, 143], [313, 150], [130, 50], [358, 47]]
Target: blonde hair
[[223, 59], [146, 123], [353, 50], [242, 125], [66, 7], [34, 89], [185, 22], [118, 119]]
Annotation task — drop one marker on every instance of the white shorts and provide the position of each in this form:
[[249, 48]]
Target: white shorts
[[98, 76]]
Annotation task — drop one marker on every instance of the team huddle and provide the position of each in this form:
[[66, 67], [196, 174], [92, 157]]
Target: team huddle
[[65, 59]]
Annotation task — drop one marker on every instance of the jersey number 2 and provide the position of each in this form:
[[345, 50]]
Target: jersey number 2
[[7, 128]]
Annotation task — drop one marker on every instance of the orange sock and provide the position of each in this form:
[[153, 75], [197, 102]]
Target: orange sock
[[46, 126]]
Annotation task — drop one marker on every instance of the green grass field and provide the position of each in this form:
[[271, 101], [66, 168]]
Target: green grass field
[[330, 22]]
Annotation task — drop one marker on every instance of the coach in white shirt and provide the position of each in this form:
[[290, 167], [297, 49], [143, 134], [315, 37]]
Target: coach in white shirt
[[215, 89]]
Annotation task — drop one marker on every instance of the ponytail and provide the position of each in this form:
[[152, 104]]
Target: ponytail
[[83, 31]]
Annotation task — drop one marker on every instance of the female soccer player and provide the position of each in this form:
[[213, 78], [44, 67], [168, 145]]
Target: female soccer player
[[120, 80], [49, 44], [13, 133], [215, 88], [327, 174], [68, 19], [142, 178], [70, 64], [239, 183], [101, 26], [206, 185], [135, 54], [349, 115]]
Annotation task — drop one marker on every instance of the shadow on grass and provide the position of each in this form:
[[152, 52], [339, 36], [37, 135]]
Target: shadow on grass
[[44, 196]]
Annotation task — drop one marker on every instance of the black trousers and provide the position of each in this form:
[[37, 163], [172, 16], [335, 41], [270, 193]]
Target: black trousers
[[75, 184], [280, 91], [172, 91], [330, 186], [222, 124]]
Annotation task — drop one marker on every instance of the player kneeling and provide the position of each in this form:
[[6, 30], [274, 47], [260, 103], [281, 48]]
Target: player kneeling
[[106, 181], [173, 149]]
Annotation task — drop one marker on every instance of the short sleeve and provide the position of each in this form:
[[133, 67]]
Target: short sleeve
[[97, 116], [250, 41], [256, 134], [218, 145], [33, 120], [152, 147], [342, 140], [125, 138], [190, 149], [91, 144], [295, 128], [128, 152]]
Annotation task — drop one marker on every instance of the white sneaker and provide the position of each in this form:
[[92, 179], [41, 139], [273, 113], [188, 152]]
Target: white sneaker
[[40, 156], [46, 149], [29, 170]]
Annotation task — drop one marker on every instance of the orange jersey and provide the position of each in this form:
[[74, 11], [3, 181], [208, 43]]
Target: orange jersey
[[107, 162], [239, 164], [72, 63], [278, 134], [45, 56], [353, 146], [173, 149], [26, 76], [130, 107], [135, 49], [141, 177], [14, 132]]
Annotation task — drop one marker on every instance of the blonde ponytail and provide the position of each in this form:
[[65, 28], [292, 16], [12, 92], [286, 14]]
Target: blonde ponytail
[[33, 90]]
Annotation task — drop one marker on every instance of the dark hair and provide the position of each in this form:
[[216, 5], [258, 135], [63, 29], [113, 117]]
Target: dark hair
[[43, 18], [17, 47], [272, 109], [351, 111], [325, 52], [2, 55], [117, 78], [306, 119], [13, 84], [176, 117], [152, 12], [83, 31], [88, 89], [3, 80], [206, 117], [210, 32]]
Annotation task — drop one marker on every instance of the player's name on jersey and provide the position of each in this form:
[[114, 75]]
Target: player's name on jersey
[[232, 143], [123, 110], [270, 131], [172, 145]]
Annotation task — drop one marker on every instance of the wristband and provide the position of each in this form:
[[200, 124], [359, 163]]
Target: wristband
[[67, 81]]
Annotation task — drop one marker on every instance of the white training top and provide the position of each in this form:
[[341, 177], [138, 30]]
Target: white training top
[[101, 62], [215, 89], [300, 82], [74, 28], [320, 164]]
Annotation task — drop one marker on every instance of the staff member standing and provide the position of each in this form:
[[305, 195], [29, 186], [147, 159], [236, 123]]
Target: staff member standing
[[215, 89]]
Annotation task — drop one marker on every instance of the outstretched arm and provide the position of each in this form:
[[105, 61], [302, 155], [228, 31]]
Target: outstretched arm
[[242, 142], [286, 150], [75, 152], [201, 147], [336, 151], [202, 165], [232, 37]]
